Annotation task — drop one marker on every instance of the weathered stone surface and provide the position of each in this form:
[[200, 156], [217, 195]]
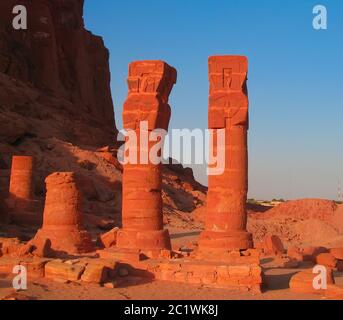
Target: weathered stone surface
[[226, 217], [58, 58], [62, 223], [96, 273], [109, 239], [23, 208], [52, 115], [236, 277], [21, 184], [35, 266], [7, 264], [311, 253], [110, 285], [97, 270], [150, 83], [334, 292], [9, 246], [26, 250], [305, 254], [120, 254], [110, 158], [295, 254], [38, 247], [271, 245], [337, 253], [123, 272], [327, 260], [60, 270], [302, 282], [291, 264], [43, 248]]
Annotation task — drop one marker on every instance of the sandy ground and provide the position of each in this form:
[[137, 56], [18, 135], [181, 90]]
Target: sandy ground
[[130, 288], [156, 290]]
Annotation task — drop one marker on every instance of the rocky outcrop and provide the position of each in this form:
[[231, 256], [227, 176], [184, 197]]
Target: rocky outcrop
[[54, 76], [55, 105]]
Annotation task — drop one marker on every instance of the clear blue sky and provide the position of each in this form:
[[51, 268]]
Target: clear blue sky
[[295, 78]]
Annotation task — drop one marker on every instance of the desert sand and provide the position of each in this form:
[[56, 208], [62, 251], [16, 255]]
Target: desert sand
[[85, 226]]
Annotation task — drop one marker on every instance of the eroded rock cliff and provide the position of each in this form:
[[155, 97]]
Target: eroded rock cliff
[[56, 105], [54, 76]]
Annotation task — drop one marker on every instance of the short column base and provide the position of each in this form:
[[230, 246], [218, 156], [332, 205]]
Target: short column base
[[148, 242], [67, 241], [225, 241]]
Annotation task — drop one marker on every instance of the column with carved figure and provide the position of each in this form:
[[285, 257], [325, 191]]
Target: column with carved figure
[[146, 109], [226, 217]]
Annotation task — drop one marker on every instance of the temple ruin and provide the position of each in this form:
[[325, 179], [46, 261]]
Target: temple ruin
[[150, 84], [62, 220], [226, 217]]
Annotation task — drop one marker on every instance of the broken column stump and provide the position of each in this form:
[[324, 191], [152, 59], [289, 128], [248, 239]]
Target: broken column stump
[[62, 220]]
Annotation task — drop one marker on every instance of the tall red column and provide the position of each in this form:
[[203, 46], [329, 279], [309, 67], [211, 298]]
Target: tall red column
[[226, 217], [21, 186], [150, 84], [24, 209]]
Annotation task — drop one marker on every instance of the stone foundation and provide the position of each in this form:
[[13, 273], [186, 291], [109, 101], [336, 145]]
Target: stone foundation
[[151, 242], [78, 270], [233, 277], [237, 273]]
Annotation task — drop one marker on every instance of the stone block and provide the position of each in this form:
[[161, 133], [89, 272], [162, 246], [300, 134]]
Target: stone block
[[64, 271]]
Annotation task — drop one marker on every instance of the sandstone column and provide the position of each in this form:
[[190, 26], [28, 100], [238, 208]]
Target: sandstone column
[[62, 221], [226, 216], [23, 208], [21, 178], [150, 83]]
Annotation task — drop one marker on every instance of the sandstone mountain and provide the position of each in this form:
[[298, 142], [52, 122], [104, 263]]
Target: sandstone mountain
[[55, 78], [56, 105]]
